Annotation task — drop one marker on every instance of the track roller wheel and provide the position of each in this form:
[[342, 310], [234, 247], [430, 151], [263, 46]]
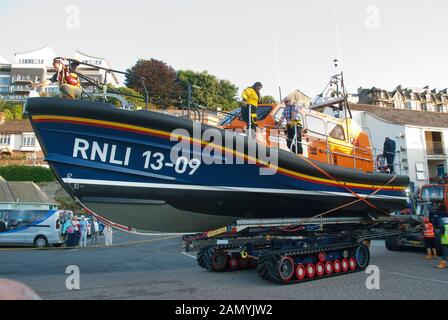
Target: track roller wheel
[[212, 259], [322, 257], [320, 269], [345, 265], [362, 256], [300, 272], [219, 261], [233, 263], [310, 271], [337, 266], [352, 264], [286, 269], [329, 268]]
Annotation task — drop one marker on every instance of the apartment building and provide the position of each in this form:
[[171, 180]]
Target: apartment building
[[36, 66]]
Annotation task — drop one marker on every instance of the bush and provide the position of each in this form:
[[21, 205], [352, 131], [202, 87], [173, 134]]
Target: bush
[[24, 173]]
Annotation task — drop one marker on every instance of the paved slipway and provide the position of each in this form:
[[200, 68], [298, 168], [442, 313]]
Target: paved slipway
[[158, 270]]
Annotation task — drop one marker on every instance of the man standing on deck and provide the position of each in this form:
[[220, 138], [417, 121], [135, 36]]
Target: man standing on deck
[[293, 126], [251, 98], [69, 83], [390, 148]]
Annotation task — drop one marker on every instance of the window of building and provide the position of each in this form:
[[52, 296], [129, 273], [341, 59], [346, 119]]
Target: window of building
[[4, 81], [5, 140], [29, 140], [316, 125], [31, 61]]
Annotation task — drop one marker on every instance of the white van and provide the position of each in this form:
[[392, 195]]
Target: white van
[[32, 227]]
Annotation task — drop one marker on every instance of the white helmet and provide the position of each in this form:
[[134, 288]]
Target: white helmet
[[445, 220]]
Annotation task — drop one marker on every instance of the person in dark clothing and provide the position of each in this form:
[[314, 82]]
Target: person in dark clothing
[[390, 148], [3, 227]]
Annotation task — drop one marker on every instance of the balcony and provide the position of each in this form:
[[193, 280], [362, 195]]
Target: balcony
[[21, 89], [18, 79], [435, 149]]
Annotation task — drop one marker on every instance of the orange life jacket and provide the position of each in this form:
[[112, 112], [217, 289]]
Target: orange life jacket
[[429, 231], [66, 77]]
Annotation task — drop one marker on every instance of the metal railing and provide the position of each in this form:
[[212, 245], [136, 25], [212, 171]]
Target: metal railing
[[435, 148]]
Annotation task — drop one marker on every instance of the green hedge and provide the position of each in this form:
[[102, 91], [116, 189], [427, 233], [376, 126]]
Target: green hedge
[[24, 173]]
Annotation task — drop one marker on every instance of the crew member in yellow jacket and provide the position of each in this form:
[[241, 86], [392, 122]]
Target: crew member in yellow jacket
[[251, 98]]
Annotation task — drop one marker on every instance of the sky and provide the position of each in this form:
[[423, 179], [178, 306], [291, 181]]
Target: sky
[[287, 43]]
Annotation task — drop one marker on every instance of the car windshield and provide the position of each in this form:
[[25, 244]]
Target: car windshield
[[432, 194]]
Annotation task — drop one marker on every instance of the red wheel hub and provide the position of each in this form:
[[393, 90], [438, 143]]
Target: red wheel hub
[[320, 269], [352, 264], [310, 270], [345, 265], [301, 272], [329, 267], [322, 257], [337, 266]]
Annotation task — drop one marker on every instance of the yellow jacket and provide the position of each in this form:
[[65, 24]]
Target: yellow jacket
[[251, 96]]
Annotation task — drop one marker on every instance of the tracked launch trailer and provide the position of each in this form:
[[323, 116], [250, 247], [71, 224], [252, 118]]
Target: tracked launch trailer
[[293, 250]]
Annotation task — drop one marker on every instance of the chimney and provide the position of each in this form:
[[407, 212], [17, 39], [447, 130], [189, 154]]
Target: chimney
[[2, 118]]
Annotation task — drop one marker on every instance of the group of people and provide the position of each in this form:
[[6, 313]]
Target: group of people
[[291, 116], [429, 235], [77, 231]]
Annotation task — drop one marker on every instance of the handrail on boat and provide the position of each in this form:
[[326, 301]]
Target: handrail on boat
[[104, 87]]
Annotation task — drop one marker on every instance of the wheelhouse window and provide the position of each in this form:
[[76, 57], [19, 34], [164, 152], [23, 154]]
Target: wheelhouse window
[[316, 125], [432, 194], [336, 131]]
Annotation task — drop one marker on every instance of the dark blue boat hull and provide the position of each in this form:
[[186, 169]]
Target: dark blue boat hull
[[118, 164]]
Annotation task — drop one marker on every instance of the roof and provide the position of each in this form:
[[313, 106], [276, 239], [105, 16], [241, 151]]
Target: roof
[[5, 192], [405, 117], [29, 192], [3, 60], [16, 126], [23, 192]]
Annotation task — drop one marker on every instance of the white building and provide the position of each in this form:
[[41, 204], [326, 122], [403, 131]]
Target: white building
[[37, 65], [18, 137], [421, 138]]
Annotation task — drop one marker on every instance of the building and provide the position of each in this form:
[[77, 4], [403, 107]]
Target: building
[[24, 196], [418, 99], [421, 137], [36, 66], [300, 99], [18, 140]]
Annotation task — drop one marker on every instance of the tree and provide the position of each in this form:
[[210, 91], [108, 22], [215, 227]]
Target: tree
[[160, 80], [208, 90], [268, 100], [136, 102], [11, 111]]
